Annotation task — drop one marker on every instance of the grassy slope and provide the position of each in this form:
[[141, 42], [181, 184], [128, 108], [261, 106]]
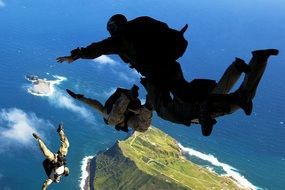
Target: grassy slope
[[152, 160]]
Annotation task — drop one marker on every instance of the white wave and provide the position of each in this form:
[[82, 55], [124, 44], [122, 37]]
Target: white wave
[[229, 170], [84, 171]]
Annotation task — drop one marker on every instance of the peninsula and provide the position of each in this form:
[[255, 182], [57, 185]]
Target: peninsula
[[150, 160]]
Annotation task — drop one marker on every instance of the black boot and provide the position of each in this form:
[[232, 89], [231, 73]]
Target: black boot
[[73, 95], [246, 107], [60, 127], [205, 120], [36, 136], [263, 55]]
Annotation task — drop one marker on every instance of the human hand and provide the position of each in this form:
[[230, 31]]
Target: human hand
[[68, 59]]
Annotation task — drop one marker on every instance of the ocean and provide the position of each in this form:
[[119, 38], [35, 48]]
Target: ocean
[[33, 33]]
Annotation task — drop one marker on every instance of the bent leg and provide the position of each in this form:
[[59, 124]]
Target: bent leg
[[220, 103], [47, 153], [230, 77], [246, 92], [257, 64], [64, 143]]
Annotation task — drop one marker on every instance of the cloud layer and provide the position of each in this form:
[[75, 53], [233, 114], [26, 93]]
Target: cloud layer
[[17, 126]]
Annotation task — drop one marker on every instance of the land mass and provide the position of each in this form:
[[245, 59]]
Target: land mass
[[150, 160], [39, 86]]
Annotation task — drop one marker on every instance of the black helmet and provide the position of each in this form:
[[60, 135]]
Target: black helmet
[[116, 23]]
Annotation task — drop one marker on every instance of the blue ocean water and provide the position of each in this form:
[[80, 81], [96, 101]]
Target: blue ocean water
[[33, 33]]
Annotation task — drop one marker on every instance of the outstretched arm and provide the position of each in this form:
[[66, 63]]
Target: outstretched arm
[[46, 184], [108, 46]]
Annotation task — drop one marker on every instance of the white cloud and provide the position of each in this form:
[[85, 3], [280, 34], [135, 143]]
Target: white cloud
[[130, 76], [2, 4], [17, 127], [105, 60], [62, 101], [125, 77]]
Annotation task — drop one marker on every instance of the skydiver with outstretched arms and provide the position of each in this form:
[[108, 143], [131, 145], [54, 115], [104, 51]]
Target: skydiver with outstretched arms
[[122, 109]]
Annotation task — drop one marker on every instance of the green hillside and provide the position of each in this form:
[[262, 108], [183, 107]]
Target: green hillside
[[152, 160]]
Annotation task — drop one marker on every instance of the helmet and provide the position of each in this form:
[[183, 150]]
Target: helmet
[[116, 23]]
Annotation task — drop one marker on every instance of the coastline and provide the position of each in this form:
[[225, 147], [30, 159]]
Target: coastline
[[85, 173], [230, 172]]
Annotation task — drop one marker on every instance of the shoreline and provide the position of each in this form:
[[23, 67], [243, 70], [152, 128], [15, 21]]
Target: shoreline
[[230, 172], [85, 173]]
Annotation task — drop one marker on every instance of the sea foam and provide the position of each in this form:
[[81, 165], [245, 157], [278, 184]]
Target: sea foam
[[229, 170], [84, 171]]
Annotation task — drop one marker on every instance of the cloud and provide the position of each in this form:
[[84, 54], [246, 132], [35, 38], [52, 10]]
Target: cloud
[[118, 69], [105, 60], [130, 76], [2, 4], [124, 76], [61, 101], [16, 128]]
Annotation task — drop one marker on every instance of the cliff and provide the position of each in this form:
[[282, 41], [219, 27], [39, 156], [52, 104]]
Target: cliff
[[150, 160]]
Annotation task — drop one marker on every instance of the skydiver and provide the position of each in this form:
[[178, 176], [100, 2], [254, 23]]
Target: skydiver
[[123, 109], [186, 113], [55, 163], [147, 45]]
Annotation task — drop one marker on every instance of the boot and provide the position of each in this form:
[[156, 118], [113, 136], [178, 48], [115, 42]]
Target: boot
[[60, 127], [36, 136], [205, 119], [73, 95], [264, 54]]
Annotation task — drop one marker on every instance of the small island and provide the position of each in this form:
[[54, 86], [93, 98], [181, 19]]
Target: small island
[[39, 86], [150, 160]]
